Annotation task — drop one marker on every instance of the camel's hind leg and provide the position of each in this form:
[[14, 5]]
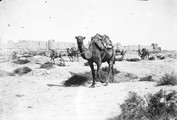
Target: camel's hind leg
[[109, 73]]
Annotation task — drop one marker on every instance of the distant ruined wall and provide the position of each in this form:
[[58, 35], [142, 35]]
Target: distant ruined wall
[[37, 45]]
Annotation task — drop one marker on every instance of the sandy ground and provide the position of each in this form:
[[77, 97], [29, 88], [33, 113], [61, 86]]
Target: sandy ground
[[39, 95]]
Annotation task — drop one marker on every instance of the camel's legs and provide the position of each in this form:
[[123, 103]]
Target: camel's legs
[[53, 61], [93, 73], [70, 57], [112, 73], [98, 72], [109, 73], [77, 57]]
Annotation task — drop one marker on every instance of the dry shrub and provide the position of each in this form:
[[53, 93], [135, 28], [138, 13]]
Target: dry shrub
[[133, 108], [151, 58], [86, 77], [133, 59], [61, 64], [21, 61], [160, 106], [47, 65], [163, 57], [147, 78], [76, 80], [168, 79], [22, 70]]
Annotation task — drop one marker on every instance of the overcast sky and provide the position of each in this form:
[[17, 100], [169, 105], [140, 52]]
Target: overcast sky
[[129, 22]]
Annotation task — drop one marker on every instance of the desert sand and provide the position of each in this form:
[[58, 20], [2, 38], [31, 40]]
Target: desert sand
[[40, 94]]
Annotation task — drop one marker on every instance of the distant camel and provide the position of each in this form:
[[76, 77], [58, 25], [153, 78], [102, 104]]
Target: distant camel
[[53, 55], [97, 54], [72, 54], [144, 54], [121, 52]]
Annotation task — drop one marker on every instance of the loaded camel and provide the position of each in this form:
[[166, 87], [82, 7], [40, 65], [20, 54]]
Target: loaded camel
[[53, 55], [143, 53], [97, 53]]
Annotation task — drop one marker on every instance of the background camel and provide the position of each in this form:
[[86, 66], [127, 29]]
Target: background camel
[[94, 54], [143, 53], [53, 54], [73, 54], [121, 50]]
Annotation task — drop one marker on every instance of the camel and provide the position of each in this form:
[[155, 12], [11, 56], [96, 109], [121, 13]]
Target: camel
[[53, 55], [144, 54], [72, 54], [121, 50], [94, 54]]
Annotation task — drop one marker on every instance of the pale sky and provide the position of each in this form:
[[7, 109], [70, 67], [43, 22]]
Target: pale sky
[[129, 22]]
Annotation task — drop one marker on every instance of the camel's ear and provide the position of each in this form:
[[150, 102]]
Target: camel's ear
[[84, 37], [76, 37]]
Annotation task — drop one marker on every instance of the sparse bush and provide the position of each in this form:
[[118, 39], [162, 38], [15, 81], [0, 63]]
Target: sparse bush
[[133, 108], [22, 70], [168, 79], [147, 78], [76, 80], [47, 65], [170, 55], [86, 77], [21, 61], [133, 59], [160, 106], [163, 57], [61, 64], [152, 58]]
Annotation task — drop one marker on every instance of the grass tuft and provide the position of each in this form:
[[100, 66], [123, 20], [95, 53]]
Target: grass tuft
[[168, 79], [47, 65], [22, 70], [159, 106], [147, 78]]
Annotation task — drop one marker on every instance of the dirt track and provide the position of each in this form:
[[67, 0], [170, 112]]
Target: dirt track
[[39, 95]]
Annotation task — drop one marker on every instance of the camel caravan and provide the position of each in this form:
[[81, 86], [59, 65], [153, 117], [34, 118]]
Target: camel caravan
[[99, 50], [73, 52]]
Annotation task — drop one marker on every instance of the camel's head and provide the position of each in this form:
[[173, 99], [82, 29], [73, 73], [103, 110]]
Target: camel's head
[[96, 37], [79, 39]]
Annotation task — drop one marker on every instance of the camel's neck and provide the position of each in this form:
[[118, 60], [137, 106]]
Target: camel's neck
[[85, 54]]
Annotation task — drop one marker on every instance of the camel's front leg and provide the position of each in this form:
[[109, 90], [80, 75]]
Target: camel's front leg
[[93, 73], [98, 72]]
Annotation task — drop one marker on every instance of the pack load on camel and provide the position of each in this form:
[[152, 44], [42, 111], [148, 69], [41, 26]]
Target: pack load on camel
[[102, 41]]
